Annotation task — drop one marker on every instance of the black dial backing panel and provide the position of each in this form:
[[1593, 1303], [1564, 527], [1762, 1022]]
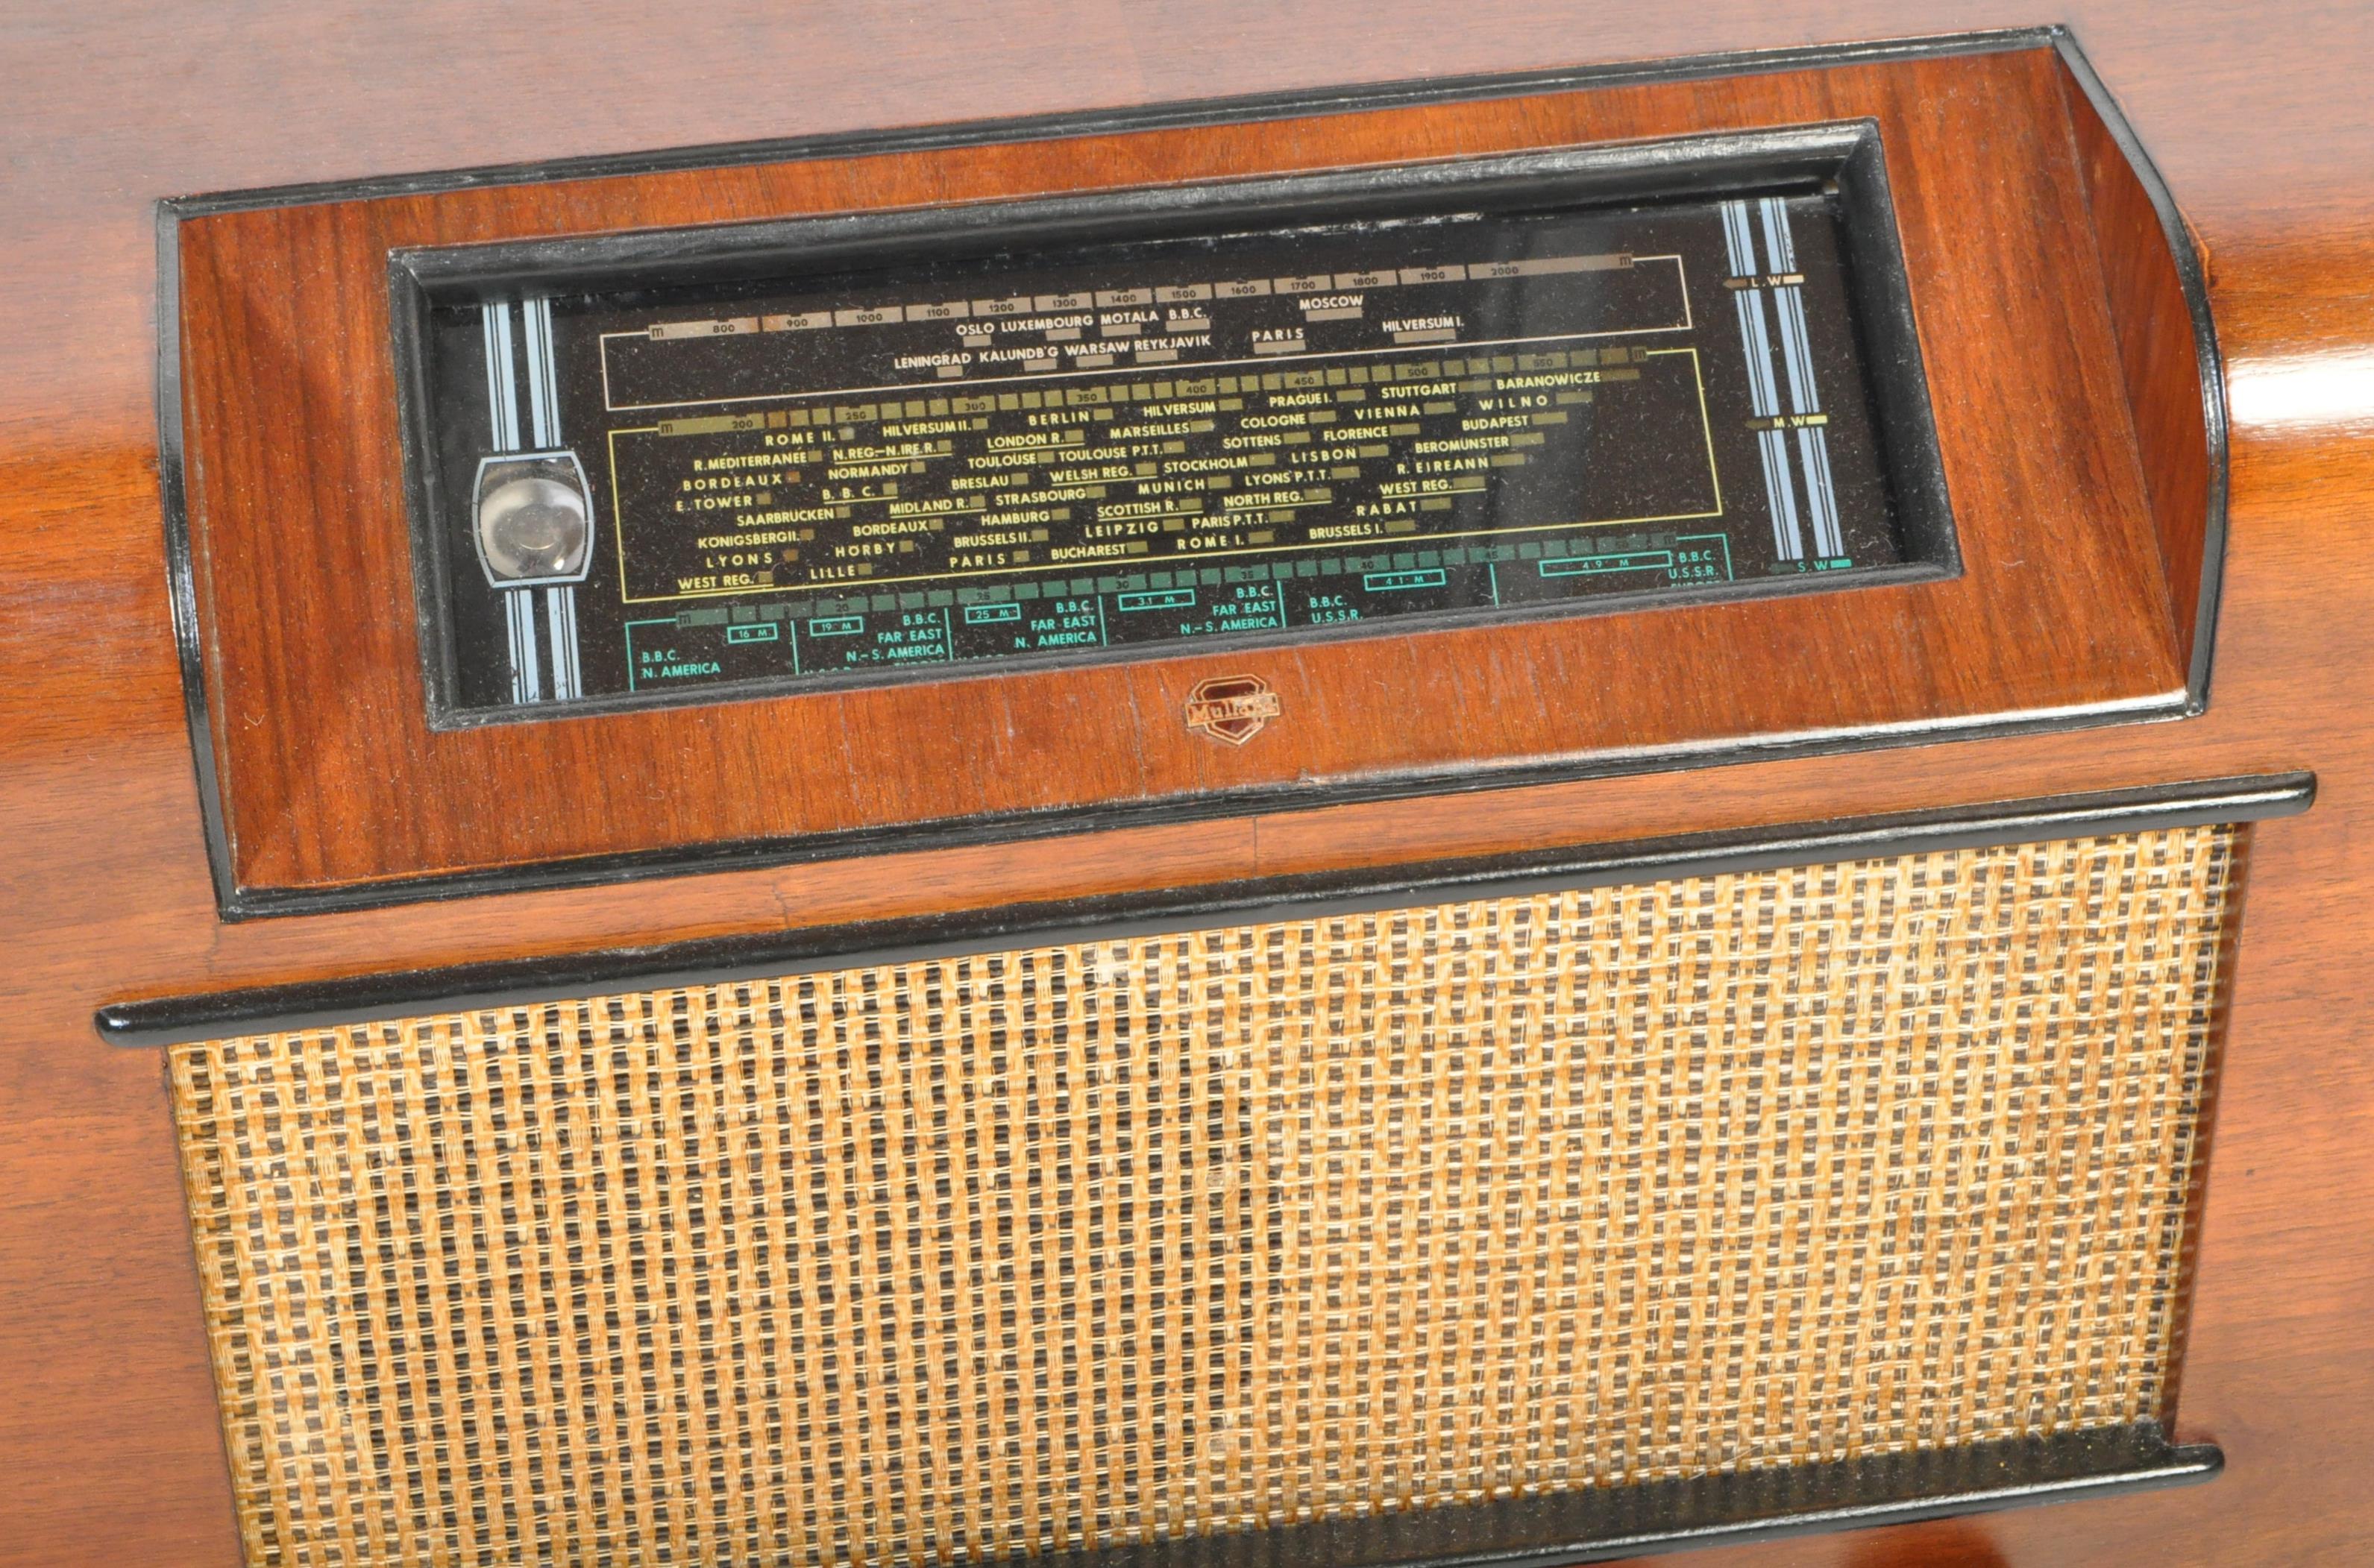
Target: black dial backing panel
[[924, 467]]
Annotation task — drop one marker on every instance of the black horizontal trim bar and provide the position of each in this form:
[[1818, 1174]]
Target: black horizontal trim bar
[[521, 982], [1598, 1524]]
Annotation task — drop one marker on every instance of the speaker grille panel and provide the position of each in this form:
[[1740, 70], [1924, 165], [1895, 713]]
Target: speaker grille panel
[[1087, 1245]]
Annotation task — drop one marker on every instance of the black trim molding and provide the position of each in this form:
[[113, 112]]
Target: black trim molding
[[525, 982], [1600, 1524], [235, 902]]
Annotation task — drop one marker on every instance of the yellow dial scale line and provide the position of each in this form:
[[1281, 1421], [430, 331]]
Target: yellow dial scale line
[[1126, 562], [618, 519], [1169, 371], [1113, 563]]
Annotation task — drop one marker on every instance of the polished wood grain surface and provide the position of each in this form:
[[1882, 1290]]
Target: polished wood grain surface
[[107, 1425], [2170, 410], [299, 532]]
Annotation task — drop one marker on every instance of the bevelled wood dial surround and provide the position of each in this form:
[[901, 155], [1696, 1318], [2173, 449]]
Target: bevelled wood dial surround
[[2025, 240]]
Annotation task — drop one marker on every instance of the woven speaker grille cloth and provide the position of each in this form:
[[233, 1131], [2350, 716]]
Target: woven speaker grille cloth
[[1086, 1245]]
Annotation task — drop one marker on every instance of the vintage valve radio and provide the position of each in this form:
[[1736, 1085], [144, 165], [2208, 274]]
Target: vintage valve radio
[[1404, 827]]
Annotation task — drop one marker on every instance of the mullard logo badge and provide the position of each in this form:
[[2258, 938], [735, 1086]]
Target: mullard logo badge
[[1231, 707]]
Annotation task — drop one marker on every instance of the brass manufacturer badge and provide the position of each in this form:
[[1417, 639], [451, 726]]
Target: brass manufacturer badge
[[1231, 707]]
